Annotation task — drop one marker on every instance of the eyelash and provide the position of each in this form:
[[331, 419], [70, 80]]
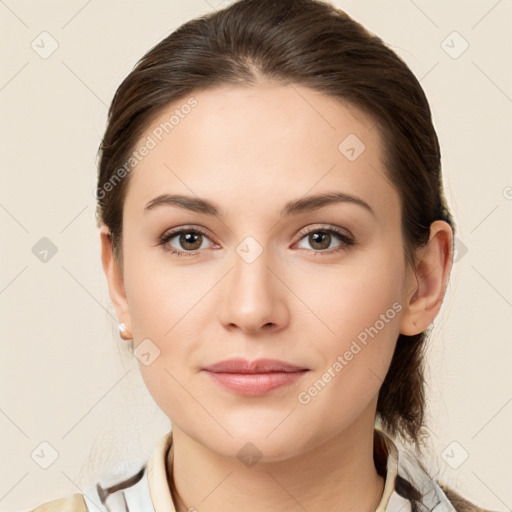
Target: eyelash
[[347, 240]]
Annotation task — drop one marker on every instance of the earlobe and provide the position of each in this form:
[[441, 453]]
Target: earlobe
[[115, 279], [426, 285]]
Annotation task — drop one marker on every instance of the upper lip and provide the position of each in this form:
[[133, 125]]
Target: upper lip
[[256, 366]]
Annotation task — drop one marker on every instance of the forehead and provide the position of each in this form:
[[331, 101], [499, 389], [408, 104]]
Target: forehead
[[260, 142]]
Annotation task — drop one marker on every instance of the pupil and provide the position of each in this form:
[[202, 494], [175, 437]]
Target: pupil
[[317, 235], [190, 238]]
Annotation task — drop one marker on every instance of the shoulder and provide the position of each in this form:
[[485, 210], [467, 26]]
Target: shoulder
[[74, 503], [122, 487], [112, 492], [414, 481], [460, 504]]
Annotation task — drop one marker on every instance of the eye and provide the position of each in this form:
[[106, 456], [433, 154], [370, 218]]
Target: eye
[[189, 239], [321, 238]]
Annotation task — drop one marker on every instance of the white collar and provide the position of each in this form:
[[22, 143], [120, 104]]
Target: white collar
[[391, 501]]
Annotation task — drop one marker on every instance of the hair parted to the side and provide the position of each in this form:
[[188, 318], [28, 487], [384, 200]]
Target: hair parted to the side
[[313, 44]]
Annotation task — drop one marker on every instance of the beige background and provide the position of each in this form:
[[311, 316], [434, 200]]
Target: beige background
[[65, 377]]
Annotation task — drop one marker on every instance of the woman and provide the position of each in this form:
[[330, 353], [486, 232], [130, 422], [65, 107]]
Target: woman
[[276, 244]]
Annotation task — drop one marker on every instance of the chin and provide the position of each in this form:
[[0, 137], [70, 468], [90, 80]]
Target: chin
[[251, 445]]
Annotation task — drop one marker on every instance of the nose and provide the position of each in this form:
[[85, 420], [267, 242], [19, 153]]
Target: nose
[[254, 296]]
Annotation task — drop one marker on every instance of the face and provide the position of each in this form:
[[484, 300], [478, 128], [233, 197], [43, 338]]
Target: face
[[272, 274]]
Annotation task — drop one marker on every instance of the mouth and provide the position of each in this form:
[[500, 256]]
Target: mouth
[[254, 378]]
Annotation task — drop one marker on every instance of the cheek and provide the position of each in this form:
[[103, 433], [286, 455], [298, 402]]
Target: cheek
[[354, 363], [159, 293], [359, 308], [341, 302], [164, 304]]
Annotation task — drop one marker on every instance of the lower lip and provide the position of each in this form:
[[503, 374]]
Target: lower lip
[[255, 384]]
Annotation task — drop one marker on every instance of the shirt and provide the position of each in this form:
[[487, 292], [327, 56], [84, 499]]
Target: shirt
[[147, 489]]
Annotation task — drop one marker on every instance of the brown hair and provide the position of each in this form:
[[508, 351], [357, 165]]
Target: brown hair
[[311, 43]]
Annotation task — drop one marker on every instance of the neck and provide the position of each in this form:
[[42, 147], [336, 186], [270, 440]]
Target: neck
[[338, 475]]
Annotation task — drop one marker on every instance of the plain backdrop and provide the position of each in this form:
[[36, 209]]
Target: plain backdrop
[[68, 389]]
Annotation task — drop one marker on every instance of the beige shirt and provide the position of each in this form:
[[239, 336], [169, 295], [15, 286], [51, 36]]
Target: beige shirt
[[147, 490]]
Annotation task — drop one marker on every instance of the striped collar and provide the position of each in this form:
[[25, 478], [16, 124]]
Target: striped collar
[[146, 489]]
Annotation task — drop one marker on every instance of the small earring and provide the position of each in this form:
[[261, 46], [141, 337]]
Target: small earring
[[125, 335]]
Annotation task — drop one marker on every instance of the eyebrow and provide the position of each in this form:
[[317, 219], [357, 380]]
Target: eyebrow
[[304, 204]]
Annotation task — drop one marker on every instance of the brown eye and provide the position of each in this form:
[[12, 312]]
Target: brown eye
[[187, 241], [320, 239]]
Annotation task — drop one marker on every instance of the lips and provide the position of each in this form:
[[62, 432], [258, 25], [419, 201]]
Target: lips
[[257, 366], [254, 378]]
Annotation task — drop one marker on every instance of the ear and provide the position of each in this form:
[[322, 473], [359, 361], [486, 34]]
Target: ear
[[426, 284], [115, 280]]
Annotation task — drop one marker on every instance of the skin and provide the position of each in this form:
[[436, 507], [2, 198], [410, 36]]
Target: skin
[[251, 150]]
